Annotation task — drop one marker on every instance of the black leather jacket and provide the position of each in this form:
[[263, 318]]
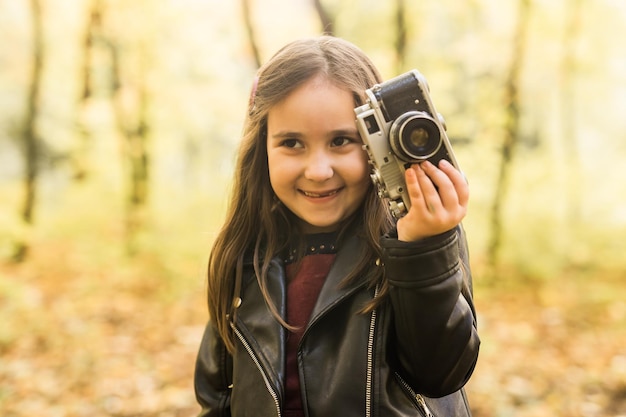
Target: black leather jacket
[[410, 357]]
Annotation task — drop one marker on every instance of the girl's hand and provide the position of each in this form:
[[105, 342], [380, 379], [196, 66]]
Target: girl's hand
[[439, 198]]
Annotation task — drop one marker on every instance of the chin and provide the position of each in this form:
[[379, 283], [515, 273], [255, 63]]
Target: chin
[[320, 227]]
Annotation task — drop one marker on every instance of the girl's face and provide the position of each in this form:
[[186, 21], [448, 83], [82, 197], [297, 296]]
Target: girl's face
[[317, 166]]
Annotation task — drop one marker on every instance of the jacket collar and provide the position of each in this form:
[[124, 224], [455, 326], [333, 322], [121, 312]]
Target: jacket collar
[[263, 333], [332, 291]]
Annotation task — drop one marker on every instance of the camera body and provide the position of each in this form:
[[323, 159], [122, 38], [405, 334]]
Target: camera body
[[399, 127]]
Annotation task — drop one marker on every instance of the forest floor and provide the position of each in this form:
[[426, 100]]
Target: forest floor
[[553, 348], [79, 338]]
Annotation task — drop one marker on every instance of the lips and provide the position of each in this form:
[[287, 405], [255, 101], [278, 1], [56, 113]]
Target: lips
[[322, 194]]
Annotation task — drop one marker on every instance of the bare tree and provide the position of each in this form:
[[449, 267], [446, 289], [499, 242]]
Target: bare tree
[[568, 108], [92, 33], [401, 35], [327, 21], [511, 129], [247, 20], [132, 124], [30, 136]]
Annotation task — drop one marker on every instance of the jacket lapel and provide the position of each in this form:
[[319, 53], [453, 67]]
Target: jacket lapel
[[264, 334], [332, 291]]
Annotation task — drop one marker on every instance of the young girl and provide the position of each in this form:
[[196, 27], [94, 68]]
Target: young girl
[[320, 304]]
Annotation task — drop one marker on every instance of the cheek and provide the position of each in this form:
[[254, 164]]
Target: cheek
[[274, 172], [357, 175], [361, 171], [281, 170]]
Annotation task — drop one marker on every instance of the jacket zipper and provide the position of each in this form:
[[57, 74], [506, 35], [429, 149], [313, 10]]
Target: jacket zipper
[[268, 385], [419, 399], [370, 361], [422, 403], [370, 366]]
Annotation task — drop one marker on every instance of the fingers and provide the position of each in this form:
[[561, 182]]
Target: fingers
[[439, 199], [414, 184], [444, 186], [452, 186], [426, 195]]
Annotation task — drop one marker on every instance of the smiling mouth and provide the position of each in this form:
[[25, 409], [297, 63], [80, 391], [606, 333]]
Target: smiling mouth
[[320, 195]]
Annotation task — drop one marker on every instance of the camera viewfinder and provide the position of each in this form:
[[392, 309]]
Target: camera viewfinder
[[372, 125]]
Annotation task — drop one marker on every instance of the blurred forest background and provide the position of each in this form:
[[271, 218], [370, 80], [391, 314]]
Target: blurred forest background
[[118, 126]]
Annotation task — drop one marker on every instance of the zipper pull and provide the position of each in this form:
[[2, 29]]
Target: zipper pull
[[422, 404]]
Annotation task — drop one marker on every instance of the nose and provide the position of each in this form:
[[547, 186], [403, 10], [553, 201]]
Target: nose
[[319, 167]]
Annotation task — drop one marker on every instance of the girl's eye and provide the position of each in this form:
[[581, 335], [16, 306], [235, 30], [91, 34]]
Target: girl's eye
[[341, 141], [291, 143]]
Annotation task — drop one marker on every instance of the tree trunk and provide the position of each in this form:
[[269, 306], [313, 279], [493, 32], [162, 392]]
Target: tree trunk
[[29, 133], [511, 132], [326, 20], [247, 20], [568, 112], [93, 29], [401, 35], [134, 129]]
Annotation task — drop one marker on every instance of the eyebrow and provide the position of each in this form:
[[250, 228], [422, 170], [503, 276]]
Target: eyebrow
[[333, 133], [286, 134]]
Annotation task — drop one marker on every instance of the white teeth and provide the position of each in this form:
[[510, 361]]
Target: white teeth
[[316, 195]]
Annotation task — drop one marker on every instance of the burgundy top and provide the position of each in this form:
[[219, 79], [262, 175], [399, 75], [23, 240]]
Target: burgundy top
[[305, 283]]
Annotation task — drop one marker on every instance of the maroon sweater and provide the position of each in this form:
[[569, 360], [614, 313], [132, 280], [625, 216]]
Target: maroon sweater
[[305, 283]]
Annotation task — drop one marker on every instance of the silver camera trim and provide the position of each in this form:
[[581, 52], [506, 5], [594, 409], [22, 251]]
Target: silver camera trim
[[387, 167], [397, 130]]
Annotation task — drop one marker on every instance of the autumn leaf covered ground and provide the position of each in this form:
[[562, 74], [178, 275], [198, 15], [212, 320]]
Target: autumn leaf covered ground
[[87, 335], [552, 349]]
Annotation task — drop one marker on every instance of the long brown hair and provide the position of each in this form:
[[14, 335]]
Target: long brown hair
[[256, 223]]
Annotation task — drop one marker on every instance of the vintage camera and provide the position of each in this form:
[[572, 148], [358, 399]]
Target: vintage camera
[[399, 127]]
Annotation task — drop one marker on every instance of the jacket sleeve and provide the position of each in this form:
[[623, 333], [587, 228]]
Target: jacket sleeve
[[430, 286], [213, 375]]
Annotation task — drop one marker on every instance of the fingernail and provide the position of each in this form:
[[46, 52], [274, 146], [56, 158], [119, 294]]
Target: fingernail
[[445, 163]]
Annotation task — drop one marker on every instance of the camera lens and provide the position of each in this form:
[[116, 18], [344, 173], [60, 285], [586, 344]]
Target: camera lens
[[418, 137], [414, 136]]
